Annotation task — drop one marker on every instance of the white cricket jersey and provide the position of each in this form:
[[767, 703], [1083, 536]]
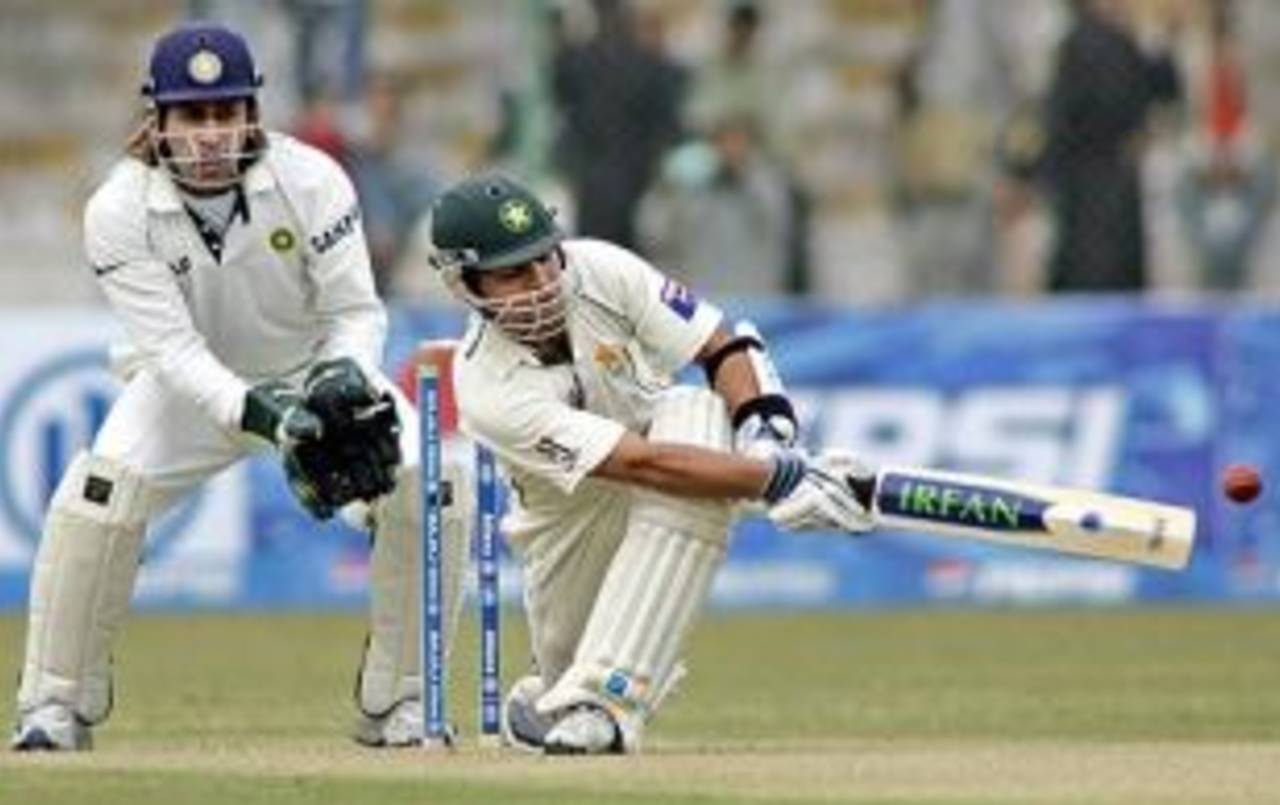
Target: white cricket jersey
[[289, 283], [631, 328]]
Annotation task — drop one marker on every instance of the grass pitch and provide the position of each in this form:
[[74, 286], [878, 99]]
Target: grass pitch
[[1168, 706]]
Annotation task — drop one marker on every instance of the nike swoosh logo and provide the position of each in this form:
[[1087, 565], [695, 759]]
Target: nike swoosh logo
[[99, 271]]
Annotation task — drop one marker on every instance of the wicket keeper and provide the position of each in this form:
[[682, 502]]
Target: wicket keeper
[[235, 260]]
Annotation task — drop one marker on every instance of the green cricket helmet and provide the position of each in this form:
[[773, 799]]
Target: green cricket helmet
[[492, 222]]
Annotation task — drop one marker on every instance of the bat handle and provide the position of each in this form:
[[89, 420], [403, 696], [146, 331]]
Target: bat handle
[[864, 489]]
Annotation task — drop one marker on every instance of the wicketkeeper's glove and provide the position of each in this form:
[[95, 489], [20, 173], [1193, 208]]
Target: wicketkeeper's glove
[[358, 454], [274, 411]]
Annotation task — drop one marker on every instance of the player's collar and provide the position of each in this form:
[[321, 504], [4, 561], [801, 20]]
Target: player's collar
[[259, 178], [503, 354], [506, 353]]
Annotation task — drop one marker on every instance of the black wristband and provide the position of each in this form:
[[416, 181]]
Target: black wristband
[[766, 405], [711, 365]]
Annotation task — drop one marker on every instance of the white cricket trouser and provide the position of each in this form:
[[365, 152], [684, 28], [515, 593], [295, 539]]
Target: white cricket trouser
[[563, 569], [613, 586]]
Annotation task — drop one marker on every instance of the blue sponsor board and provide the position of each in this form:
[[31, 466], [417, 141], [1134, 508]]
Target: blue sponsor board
[[1106, 394]]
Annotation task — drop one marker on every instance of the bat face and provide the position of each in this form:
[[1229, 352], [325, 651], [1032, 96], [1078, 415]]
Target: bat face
[[1034, 515]]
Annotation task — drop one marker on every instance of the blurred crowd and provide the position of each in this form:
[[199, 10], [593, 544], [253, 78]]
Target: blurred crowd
[[990, 147]]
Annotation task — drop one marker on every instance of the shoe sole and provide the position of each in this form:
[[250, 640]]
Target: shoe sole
[[37, 740], [520, 732]]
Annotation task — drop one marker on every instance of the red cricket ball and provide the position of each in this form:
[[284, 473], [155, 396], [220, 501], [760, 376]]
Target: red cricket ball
[[1241, 482]]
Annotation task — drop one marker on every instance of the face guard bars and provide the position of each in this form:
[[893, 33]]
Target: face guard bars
[[210, 158], [530, 318]]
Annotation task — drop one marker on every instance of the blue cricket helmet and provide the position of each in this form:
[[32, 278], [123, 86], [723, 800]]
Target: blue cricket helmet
[[201, 62]]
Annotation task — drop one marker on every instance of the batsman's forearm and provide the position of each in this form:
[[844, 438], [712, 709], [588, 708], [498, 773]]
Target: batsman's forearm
[[690, 472]]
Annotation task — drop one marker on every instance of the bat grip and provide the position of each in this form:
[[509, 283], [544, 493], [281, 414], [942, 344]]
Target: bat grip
[[863, 488]]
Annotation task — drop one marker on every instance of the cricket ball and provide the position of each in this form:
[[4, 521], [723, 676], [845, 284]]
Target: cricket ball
[[1241, 482]]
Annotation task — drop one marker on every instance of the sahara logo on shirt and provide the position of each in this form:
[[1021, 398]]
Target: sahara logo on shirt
[[563, 457], [679, 298], [337, 231]]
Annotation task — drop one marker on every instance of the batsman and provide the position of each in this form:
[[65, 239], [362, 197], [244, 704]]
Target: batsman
[[236, 262], [624, 483]]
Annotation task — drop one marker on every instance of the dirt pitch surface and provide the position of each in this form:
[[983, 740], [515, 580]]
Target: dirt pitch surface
[[854, 771], [1046, 707]]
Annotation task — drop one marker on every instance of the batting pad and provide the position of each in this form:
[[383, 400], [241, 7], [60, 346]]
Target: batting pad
[[656, 583], [391, 670], [81, 585]]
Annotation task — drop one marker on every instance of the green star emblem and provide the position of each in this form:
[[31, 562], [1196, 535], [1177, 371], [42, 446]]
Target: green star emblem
[[515, 215]]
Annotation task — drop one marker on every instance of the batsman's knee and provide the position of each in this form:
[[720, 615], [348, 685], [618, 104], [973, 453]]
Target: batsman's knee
[[694, 416]]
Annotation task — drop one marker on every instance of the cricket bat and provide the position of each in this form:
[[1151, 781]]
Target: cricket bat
[[1053, 518]]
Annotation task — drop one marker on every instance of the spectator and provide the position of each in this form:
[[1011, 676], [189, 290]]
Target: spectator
[[1224, 196], [395, 189], [319, 125], [1102, 91], [973, 66], [1228, 184], [721, 215], [329, 45], [619, 95], [1020, 224], [736, 81]]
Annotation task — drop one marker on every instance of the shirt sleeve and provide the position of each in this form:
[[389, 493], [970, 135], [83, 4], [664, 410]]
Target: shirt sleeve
[[671, 322], [353, 319], [540, 435], [144, 295]]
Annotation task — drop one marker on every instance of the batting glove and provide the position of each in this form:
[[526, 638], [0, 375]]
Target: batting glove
[[818, 493]]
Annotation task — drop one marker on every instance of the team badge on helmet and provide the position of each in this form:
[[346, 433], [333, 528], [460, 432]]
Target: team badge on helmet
[[204, 67], [515, 215]]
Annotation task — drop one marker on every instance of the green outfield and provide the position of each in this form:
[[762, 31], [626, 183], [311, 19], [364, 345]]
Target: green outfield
[[925, 706]]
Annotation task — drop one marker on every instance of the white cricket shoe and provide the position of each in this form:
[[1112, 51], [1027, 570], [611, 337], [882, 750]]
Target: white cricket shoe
[[585, 729], [51, 728], [401, 726], [523, 727]]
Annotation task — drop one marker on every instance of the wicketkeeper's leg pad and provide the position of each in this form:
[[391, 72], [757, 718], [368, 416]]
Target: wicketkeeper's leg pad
[[627, 659], [391, 669], [81, 585]]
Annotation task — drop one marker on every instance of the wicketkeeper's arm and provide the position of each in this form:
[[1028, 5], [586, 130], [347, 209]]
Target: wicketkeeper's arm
[[353, 319], [144, 295], [275, 412]]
